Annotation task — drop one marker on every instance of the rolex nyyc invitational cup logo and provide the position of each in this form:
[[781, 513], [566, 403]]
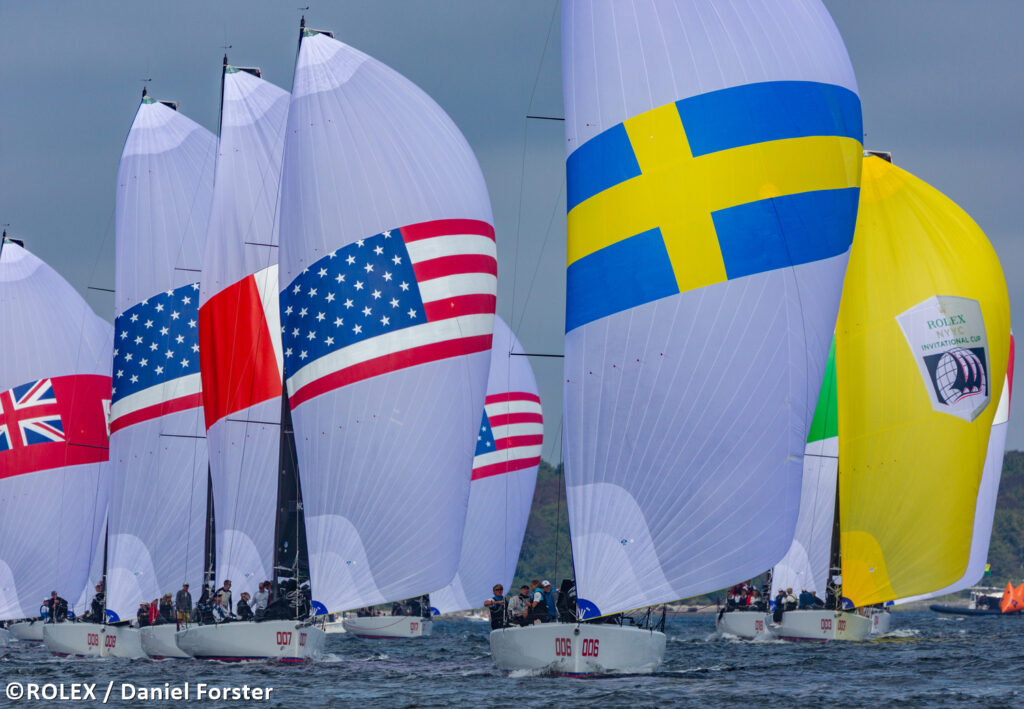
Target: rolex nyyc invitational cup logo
[[946, 335]]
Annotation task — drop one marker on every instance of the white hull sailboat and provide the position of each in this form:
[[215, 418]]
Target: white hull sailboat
[[158, 641], [93, 640], [577, 649], [823, 625], [384, 627], [745, 624], [27, 630], [659, 284], [283, 640], [58, 382]]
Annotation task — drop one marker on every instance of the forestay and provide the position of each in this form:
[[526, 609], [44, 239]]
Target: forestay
[[922, 344], [54, 397], [713, 166], [388, 276], [239, 328], [157, 443], [806, 564], [508, 445]]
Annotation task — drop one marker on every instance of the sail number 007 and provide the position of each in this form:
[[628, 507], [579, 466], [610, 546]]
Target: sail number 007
[[563, 647]]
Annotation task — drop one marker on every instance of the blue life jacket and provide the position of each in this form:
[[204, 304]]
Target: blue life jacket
[[549, 599]]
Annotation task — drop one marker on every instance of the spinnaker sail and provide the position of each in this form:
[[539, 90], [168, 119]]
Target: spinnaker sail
[[54, 399], [988, 492], [504, 475], [157, 441], [922, 345], [239, 328], [388, 276], [713, 166]]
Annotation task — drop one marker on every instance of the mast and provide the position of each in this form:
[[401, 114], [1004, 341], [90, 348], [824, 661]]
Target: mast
[[291, 559], [834, 591]]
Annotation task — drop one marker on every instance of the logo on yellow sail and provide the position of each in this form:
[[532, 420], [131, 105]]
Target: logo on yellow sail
[[946, 335]]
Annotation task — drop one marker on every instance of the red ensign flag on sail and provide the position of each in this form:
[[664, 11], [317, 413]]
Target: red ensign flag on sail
[[49, 423]]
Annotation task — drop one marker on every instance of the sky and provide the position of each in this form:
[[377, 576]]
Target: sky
[[940, 83]]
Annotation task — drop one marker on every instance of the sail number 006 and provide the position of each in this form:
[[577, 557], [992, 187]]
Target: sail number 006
[[563, 647]]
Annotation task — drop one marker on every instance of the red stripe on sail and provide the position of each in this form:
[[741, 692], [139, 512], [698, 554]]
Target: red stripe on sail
[[446, 227], [390, 363], [455, 265], [236, 355], [511, 396], [474, 304], [509, 419], [183, 403], [518, 441], [506, 466]]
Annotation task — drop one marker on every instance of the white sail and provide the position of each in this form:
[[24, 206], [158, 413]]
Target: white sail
[[388, 276], [504, 475], [157, 442], [54, 474], [806, 565], [713, 166], [240, 328]]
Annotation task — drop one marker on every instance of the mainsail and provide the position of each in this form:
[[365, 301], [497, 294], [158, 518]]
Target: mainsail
[[239, 328], [504, 474], [157, 442], [713, 166], [806, 564], [388, 275], [922, 345], [54, 397]]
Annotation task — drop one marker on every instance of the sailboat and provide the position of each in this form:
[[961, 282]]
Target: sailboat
[[922, 351], [504, 476], [388, 277], [54, 469], [251, 453], [156, 524], [712, 191]]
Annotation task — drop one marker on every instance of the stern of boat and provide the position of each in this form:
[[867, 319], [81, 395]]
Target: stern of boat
[[577, 650]]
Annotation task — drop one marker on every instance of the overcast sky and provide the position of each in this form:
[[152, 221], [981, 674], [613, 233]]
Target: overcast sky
[[941, 83]]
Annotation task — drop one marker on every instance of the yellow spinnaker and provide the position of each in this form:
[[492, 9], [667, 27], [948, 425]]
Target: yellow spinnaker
[[922, 339]]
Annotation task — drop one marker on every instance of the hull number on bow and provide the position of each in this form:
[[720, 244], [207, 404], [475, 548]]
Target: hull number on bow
[[284, 638], [563, 647], [413, 627], [590, 647], [826, 624]]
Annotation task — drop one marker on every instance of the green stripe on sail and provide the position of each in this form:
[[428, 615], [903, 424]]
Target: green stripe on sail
[[826, 416]]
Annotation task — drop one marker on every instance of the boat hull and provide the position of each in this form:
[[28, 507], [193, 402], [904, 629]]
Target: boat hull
[[880, 622], [79, 639], [29, 630], [577, 650], [284, 640], [128, 643], [744, 624], [158, 641], [964, 610], [334, 627], [5, 641], [388, 627], [822, 626]]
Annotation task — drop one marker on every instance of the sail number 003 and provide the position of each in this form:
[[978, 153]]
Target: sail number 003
[[563, 647]]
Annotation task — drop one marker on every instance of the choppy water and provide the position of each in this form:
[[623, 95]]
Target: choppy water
[[927, 660]]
